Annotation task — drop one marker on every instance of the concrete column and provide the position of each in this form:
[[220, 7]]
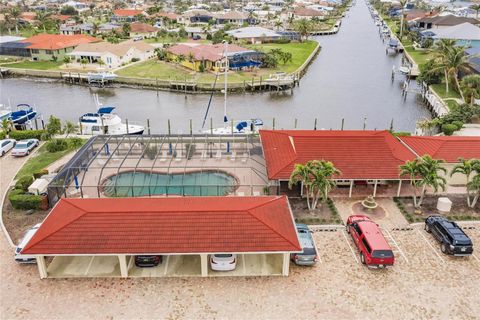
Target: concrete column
[[399, 187], [286, 264], [42, 267], [123, 265], [351, 188], [204, 263], [375, 188]]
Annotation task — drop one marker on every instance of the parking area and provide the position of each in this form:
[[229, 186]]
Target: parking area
[[171, 266], [413, 247]]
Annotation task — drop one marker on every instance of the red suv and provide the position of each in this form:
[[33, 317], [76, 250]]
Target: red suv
[[374, 249]]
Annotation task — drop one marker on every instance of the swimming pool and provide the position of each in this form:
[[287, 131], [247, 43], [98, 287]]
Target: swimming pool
[[137, 184]]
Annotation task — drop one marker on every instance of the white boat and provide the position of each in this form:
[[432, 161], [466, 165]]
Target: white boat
[[404, 70], [242, 127], [4, 112], [104, 121]]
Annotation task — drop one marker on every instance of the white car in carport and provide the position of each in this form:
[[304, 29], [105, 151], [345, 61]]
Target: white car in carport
[[223, 262]]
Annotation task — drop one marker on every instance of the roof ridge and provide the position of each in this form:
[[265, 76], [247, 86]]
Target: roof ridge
[[277, 198]]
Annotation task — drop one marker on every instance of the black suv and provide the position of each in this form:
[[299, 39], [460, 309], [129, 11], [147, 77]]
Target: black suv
[[451, 237]]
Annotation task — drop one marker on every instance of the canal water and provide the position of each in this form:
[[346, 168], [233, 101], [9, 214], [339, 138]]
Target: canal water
[[350, 80]]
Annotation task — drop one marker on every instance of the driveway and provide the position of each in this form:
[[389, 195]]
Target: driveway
[[338, 287]]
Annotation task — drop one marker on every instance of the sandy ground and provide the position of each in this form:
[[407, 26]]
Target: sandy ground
[[422, 285]]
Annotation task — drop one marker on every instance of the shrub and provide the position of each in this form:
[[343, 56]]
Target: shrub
[[24, 182], [75, 142], [448, 129], [151, 152], [458, 124], [27, 134], [281, 41], [25, 201], [135, 59], [3, 135], [57, 145], [40, 173]]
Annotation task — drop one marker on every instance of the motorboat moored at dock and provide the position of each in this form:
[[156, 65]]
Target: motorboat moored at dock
[[104, 121]]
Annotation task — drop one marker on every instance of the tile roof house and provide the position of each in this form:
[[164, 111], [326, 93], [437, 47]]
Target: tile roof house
[[447, 148], [139, 29], [46, 46], [306, 13], [121, 228], [440, 22], [126, 15], [210, 55], [113, 55], [359, 155], [254, 34], [466, 34], [233, 17]]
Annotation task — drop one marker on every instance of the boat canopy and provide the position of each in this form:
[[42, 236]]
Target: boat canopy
[[23, 105], [105, 110], [242, 125]]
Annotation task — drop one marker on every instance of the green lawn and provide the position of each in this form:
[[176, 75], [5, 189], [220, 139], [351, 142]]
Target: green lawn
[[36, 65], [155, 69], [170, 71], [441, 91], [299, 51], [41, 159]]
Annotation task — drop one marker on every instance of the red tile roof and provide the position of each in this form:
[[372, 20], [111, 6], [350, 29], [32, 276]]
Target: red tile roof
[[142, 28], [127, 12], [445, 148], [57, 41], [357, 154], [166, 225], [211, 52]]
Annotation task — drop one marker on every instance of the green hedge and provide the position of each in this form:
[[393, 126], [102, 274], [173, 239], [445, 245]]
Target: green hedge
[[3, 135], [23, 201], [24, 182], [27, 134], [56, 145]]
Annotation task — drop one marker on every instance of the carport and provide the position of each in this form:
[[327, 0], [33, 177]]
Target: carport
[[101, 237]]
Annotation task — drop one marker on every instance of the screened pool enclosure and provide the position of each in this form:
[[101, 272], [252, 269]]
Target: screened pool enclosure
[[163, 165]]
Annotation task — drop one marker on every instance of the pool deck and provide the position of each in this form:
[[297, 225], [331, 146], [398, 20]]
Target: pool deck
[[248, 169]]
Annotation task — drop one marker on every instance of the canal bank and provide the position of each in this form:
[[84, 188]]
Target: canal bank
[[350, 81], [261, 83]]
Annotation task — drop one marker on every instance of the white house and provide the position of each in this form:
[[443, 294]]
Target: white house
[[113, 55]]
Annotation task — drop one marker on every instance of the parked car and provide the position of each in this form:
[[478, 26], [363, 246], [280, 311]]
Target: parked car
[[23, 147], [374, 249], [223, 261], [6, 145], [148, 261], [308, 256], [23, 258], [451, 237]]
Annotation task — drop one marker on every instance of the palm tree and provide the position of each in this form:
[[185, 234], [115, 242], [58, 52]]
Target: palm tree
[[470, 86], [451, 59], [402, 4], [301, 173], [424, 172], [278, 24], [70, 127], [315, 177], [474, 186], [411, 169], [42, 17], [476, 8], [303, 27], [95, 27], [467, 167], [15, 13]]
